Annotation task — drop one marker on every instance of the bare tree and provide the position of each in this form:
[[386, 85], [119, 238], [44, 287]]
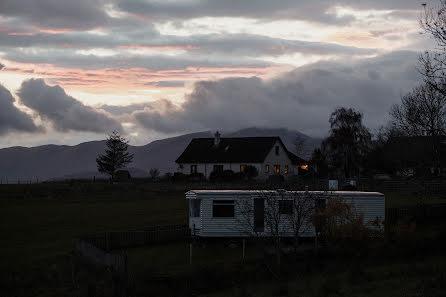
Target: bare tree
[[302, 210], [422, 112], [154, 173], [433, 22], [284, 214], [272, 225]]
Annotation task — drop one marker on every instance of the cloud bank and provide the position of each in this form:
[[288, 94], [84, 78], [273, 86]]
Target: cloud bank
[[301, 99], [11, 118], [63, 111]]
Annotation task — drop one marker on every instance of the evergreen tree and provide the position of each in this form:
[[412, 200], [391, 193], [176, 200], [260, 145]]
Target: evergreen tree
[[116, 155]]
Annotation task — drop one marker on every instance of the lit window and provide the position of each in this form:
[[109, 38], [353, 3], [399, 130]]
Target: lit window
[[277, 150], [223, 208], [285, 170], [304, 167], [266, 168], [242, 168], [276, 169], [193, 169]]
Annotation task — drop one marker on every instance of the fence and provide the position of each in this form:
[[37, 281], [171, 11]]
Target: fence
[[97, 248], [421, 212]]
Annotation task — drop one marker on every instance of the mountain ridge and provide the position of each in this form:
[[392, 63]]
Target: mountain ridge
[[52, 161]]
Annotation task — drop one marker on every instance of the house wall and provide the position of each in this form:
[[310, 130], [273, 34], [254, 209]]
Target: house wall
[[282, 159], [271, 159]]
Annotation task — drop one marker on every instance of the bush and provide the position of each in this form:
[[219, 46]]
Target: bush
[[196, 177], [250, 172], [276, 179], [222, 176], [179, 177]]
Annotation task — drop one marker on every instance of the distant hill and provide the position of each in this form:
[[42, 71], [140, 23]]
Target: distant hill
[[62, 161]]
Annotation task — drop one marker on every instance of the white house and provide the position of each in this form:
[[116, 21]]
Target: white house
[[222, 213], [268, 154]]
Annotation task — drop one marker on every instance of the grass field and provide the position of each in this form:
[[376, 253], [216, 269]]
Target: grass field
[[39, 224]]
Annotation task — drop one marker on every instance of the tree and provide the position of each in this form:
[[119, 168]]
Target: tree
[[302, 210], [318, 163], [250, 172], [154, 173], [433, 22], [348, 142], [285, 214], [422, 112], [116, 155]]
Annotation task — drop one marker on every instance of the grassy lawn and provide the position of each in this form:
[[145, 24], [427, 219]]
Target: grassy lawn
[[39, 224], [44, 224]]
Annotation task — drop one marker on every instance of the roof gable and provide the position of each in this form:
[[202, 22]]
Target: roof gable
[[231, 150]]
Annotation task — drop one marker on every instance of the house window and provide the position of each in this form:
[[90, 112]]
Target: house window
[[266, 168], [193, 169], [286, 207], [218, 168], [194, 205], [276, 169], [285, 170], [242, 168], [277, 150], [223, 209]]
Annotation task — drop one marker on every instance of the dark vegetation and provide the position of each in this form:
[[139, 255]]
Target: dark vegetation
[[41, 222]]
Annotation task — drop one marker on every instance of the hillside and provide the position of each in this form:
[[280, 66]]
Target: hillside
[[61, 161]]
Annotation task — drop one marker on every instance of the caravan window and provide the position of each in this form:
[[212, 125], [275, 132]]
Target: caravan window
[[194, 206], [223, 209], [286, 207]]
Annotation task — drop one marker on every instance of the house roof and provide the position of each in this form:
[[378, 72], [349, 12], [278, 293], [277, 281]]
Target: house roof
[[232, 150]]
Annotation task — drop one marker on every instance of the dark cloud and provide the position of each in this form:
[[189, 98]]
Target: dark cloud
[[62, 14], [239, 50], [11, 118], [265, 9], [301, 99], [63, 111], [316, 11]]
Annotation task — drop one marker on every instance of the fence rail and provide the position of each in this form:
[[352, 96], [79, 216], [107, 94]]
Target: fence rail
[[97, 249], [423, 212]]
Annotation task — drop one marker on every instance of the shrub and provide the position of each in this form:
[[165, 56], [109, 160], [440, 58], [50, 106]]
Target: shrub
[[222, 176], [195, 177]]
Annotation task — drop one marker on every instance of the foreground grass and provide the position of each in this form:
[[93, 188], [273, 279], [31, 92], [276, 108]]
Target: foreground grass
[[39, 224]]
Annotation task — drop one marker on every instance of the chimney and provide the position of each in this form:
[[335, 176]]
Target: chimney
[[216, 139]]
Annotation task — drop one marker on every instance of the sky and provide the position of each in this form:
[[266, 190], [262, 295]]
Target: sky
[[73, 71]]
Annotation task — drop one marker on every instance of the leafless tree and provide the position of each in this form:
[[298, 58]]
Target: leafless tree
[[422, 112], [273, 227], [299, 218], [433, 22], [154, 173], [286, 214]]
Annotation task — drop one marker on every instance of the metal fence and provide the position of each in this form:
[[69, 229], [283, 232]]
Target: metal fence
[[419, 212]]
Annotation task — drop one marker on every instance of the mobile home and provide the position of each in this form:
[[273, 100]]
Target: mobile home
[[244, 213]]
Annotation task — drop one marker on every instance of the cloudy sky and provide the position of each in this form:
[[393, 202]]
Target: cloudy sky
[[73, 71]]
